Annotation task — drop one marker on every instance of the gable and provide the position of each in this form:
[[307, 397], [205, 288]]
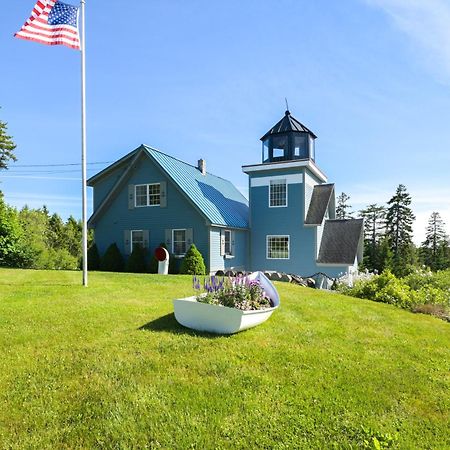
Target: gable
[[213, 197]]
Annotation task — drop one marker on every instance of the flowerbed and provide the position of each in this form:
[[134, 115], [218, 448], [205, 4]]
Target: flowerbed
[[234, 292]]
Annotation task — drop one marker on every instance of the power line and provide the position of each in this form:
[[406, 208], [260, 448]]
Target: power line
[[58, 165]]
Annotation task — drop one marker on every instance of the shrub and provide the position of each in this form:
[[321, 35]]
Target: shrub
[[193, 263], [136, 261], [112, 260], [93, 258]]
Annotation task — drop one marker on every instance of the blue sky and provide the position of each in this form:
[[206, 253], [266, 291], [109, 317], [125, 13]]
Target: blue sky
[[207, 79]]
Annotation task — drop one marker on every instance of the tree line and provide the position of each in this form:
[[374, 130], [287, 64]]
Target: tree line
[[388, 236]]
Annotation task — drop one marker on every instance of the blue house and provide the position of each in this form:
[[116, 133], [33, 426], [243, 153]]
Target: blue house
[[288, 225]]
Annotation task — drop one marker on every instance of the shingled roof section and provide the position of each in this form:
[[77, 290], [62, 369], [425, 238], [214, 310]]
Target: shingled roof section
[[319, 203], [288, 123], [340, 241]]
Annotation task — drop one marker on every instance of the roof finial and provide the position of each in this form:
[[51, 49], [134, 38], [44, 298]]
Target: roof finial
[[287, 106]]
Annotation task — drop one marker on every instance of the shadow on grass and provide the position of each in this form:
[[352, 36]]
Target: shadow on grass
[[169, 324]]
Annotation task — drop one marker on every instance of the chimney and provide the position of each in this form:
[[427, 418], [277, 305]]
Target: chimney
[[201, 165]]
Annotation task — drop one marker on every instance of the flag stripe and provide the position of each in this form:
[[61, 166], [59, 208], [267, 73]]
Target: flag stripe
[[56, 42], [60, 30], [49, 37]]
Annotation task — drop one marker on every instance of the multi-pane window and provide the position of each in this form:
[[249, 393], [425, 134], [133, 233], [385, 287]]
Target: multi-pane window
[[227, 242], [277, 193], [277, 247], [179, 242], [148, 194], [137, 238]]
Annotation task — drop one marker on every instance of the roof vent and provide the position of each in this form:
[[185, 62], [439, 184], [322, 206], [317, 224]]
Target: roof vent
[[202, 166]]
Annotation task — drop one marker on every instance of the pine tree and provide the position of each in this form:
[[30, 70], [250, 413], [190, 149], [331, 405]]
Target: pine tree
[[343, 209], [112, 260], [399, 220], [374, 231], [434, 248], [7, 147]]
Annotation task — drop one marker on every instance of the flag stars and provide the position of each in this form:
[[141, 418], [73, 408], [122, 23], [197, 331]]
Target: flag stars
[[63, 14]]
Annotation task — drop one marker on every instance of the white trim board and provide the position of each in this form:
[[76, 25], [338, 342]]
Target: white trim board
[[294, 178], [286, 165]]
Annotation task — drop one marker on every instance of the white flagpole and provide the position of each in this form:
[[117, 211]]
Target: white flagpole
[[83, 143]]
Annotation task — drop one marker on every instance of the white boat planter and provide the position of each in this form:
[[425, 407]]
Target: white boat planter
[[221, 319]]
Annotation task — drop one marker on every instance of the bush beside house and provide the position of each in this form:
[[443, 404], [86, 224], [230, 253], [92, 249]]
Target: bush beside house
[[193, 262], [136, 261], [112, 260]]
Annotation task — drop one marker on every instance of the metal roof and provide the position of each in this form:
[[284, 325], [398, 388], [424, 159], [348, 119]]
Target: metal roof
[[319, 203], [288, 123], [341, 241], [218, 199]]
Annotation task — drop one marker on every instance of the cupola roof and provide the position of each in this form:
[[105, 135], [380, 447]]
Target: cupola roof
[[286, 124]]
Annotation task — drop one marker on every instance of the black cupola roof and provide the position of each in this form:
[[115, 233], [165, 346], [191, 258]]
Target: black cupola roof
[[286, 124]]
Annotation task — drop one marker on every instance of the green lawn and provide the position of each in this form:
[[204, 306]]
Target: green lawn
[[108, 366]]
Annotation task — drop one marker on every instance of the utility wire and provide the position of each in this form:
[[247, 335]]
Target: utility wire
[[59, 165]]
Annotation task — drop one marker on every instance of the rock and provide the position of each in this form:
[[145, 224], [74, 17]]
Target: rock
[[286, 278], [276, 276], [310, 283], [230, 273], [220, 273]]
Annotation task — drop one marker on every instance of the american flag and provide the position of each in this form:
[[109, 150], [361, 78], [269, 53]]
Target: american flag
[[52, 23]]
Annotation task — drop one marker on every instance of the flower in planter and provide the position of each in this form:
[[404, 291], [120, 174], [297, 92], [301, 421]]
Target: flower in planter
[[237, 292]]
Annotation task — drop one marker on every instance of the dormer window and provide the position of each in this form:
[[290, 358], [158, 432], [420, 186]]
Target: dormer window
[[147, 195]]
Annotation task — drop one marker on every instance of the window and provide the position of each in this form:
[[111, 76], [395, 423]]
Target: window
[[179, 242], [147, 195], [137, 238], [279, 146], [277, 247], [300, 146], [277, 193], [228, 242]]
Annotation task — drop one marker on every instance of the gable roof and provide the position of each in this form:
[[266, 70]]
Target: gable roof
[[320, 200], [288, 123], [341, 241], [217, 199]]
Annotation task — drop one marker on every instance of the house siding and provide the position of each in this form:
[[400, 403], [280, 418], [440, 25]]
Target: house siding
[[239, 261], [179, 213], [105, 184]]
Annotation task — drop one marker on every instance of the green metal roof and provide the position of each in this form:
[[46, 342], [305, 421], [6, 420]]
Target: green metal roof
[[218, 199]]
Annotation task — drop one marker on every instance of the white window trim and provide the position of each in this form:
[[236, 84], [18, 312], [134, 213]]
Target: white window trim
[[228, 255], [275, 236], [147, 186], [181, 255], [131, 238], [287, 192]]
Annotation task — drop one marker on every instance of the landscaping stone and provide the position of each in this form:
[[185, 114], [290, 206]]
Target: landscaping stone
[[220, 273], [285, 277], [230, 273], [310, 283]]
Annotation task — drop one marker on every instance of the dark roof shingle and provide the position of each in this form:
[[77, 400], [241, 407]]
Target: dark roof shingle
[[340, 241], [288, 123], [319, 203]]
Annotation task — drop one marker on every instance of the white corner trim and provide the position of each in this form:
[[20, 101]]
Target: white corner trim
[[294, 178]]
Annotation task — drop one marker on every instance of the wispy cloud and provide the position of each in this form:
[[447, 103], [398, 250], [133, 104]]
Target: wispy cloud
[[426, 22]]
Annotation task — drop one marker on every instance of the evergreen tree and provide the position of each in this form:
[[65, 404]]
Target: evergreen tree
[[399, 220], [374, 231], [93, 257], [343, 209], [434, 249], [112, 260], [136, 261], [7, 147], [193, 263]]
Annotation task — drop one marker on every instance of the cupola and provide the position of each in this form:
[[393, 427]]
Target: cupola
[[288, 140]]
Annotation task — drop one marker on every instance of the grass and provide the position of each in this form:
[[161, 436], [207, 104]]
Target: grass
[[109, 367]]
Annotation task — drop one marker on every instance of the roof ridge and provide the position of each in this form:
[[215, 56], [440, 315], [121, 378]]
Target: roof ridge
[[183, 162]]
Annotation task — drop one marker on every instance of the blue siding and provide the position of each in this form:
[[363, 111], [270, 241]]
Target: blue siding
[[179, 213], [239, 261], [284, 221], [105, 184]]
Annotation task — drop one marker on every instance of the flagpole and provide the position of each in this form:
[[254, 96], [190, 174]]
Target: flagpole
[[83, 143]]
